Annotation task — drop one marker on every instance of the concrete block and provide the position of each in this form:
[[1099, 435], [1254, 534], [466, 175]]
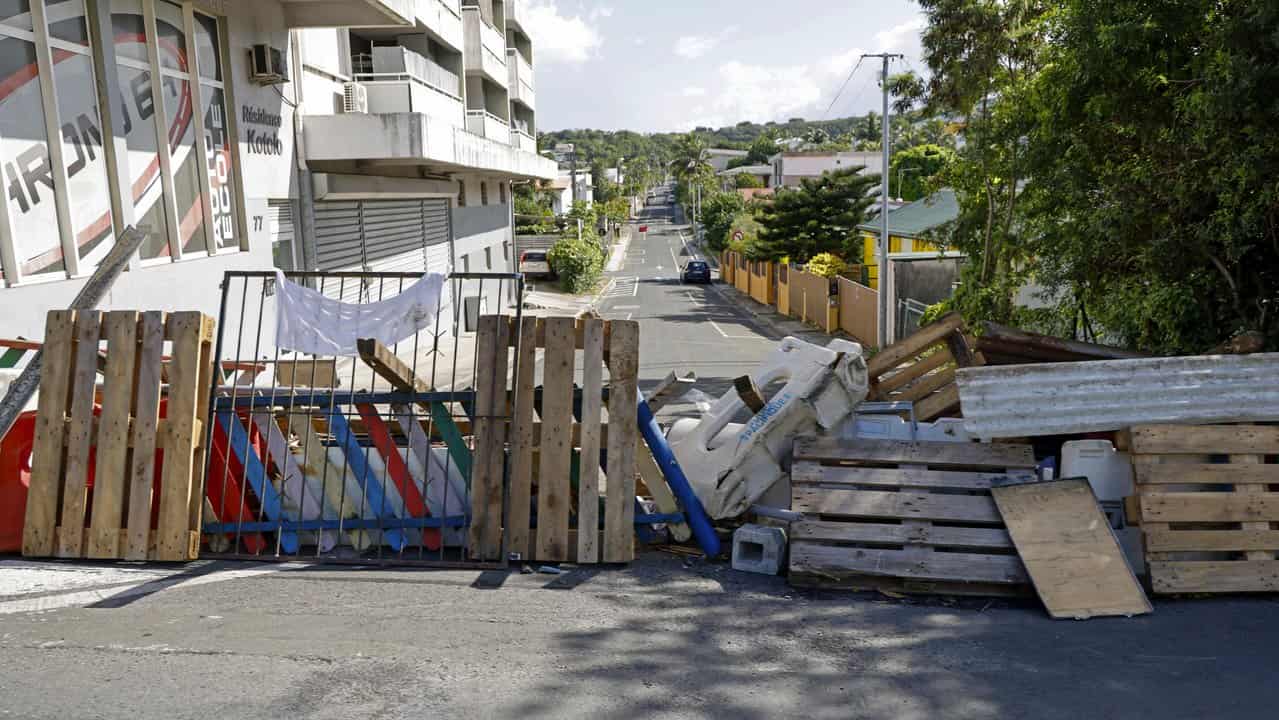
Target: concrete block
[[759, 549]]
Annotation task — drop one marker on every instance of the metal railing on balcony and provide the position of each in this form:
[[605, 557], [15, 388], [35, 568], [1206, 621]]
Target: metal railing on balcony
[[486, 124], [521, 139], [399, 63]]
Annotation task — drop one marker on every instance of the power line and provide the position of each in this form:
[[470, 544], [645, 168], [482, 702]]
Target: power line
[[842, 87]]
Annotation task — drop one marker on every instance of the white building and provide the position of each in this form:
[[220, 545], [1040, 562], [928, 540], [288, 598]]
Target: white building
[[789, 168], [562, 191], [387, 144], [720, 157]]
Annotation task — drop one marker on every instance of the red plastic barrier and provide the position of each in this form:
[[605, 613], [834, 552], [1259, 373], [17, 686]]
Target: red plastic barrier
[[15, 477]]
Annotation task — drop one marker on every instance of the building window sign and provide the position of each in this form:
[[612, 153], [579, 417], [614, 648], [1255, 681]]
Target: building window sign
[[199, 170], [262, 131]]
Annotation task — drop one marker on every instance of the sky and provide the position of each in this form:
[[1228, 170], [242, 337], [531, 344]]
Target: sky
[[672, 65]]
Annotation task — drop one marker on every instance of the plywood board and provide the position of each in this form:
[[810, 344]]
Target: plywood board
[[1069, 550]]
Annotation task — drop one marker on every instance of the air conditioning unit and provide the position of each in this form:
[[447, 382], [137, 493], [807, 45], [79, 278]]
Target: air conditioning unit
[[266, 66], [355, 98]]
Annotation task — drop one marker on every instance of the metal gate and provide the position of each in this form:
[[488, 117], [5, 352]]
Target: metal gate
[[364, 459]]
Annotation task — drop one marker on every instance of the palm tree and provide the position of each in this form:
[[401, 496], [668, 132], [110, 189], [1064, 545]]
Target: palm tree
[[692, 157]]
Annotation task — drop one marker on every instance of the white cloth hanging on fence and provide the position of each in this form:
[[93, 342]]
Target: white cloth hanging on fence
[[311, 322]]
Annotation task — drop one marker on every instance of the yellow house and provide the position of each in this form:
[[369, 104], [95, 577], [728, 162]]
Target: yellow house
[[907, 225]]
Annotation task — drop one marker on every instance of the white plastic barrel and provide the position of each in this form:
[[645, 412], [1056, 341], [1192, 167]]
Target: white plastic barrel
[[1108, 470]]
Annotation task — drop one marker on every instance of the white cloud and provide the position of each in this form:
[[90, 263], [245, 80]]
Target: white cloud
[[694, 46], [601, 12], [756, 92], [693, 91], [558, 37], [901, 38]]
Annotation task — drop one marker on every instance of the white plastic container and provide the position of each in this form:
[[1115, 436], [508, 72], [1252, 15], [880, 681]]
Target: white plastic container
[[1108, 470]]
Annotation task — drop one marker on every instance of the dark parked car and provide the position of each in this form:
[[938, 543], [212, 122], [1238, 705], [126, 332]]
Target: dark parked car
[[696, 271]]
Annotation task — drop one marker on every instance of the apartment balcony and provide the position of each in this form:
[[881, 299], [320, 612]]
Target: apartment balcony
[[334, 142], [443, 18], [348, 13], [487, 125], [523, 141], [485, 52], [520, 79], [517, 14]]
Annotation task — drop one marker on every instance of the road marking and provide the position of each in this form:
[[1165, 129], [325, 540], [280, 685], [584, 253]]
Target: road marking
[[626, 307]]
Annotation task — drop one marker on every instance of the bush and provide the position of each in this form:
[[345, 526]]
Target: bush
[[578, 263], [827, 265]]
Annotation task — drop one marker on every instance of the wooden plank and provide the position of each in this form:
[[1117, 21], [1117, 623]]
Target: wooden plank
[[1214, 577], [588, 486], [912, 345], [867, 533], [623, 414], [910, 373], [950, 567], [112, 470], [938, 404], [926, 386], [1252, 460], [1211, 540], [660, 491], [199, 459], [975, 509], [490, 437], [146, 411], [1204, 439], [1209, 507], [1070, 553], [176, 484], [522, 443], [808, 472], [933, 454], [314, 373], [46, 457], [1147, 470], [122, 539], [414, 505], [80, 434], [670, 389], [553, 496]]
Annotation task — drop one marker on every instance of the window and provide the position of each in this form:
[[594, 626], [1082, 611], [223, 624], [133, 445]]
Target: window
[[488, 258], [501, 193], [58, 213], [506, 252], [484, 193], [466, 263], [461, 193]]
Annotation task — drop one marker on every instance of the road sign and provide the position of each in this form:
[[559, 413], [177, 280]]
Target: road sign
[[643, 228], [737, 236]]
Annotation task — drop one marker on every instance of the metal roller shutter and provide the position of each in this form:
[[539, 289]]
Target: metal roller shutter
[[380, 236]]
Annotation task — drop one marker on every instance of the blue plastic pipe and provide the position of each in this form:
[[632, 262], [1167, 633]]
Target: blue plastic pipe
[[698, 521]]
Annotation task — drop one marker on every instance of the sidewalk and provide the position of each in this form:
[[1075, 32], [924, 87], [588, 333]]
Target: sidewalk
[[776, 323]]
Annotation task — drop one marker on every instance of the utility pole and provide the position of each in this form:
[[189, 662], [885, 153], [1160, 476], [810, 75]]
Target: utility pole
[[882, 293]]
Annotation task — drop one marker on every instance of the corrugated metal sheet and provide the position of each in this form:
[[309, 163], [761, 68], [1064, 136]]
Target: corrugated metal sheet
[[1063, 398]]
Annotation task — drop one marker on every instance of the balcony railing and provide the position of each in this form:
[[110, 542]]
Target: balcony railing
[[486, 124], [485, 46], [400, 60], [444, 18], [522, 140], [521, 78]]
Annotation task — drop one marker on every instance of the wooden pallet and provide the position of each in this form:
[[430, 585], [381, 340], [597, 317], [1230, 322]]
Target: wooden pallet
[[904, 517], [920, 368], [1208, 506], [564, 432], [121, 446]]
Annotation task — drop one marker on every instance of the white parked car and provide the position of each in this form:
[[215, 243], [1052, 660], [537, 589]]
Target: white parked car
[[533, 263]]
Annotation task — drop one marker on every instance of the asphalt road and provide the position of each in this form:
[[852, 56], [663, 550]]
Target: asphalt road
[[683, 327]]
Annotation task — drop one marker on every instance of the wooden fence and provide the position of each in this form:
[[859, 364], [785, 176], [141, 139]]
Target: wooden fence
[[858, 311]]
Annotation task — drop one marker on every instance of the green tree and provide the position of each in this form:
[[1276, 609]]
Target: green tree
[[912, 170], [718, 211], [821, 215], [747, 180], [762, 149]]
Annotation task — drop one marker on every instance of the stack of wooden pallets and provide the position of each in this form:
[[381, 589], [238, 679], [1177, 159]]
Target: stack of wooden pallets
[[556, 440], [130, 512], [904, 517], [1207, 506], [920, 368]]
